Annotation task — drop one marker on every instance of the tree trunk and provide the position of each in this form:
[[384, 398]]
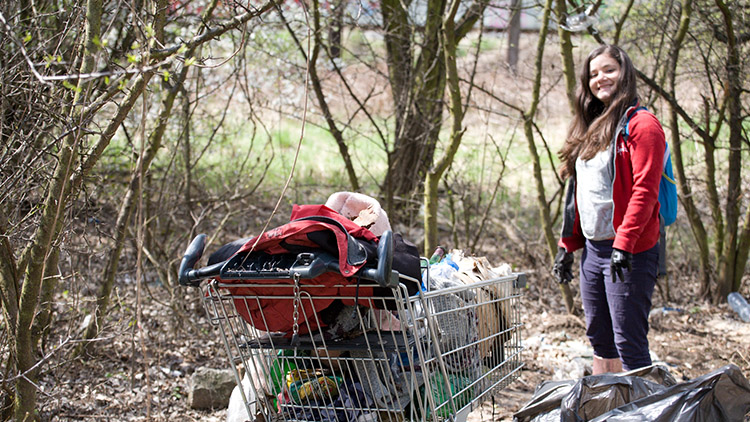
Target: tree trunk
[[418, 97], [335, 28], [544, 212], [743, 250], [187, 153], [398, 36], [43, 238], [337, 134], [53, 208], [566, 51], [709, 157], [9, 292], [435, 174], [418, 89], [9, 282], [128, 204], [110, 270], [312, 63], [569, 74], [675, 143], [729, 263], [126, 209], [514, 34], [49, 285]]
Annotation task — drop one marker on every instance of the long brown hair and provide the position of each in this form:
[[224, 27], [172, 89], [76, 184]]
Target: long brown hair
[[594, 123]]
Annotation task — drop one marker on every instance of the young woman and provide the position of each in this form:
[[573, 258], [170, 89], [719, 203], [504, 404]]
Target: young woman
[[612, 209]]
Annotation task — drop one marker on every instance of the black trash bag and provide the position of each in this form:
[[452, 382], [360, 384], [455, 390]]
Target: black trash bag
[[646, 394], [597, 394], [553, 397], [722, 395], [545, 405]]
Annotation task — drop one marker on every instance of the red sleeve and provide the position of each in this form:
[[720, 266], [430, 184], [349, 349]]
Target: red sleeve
[[575, 240], [645, 147]]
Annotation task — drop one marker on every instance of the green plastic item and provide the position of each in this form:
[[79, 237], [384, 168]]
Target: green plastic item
[[441, 393], [279, 368]]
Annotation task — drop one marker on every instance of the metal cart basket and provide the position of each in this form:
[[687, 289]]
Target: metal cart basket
[[432, 356]]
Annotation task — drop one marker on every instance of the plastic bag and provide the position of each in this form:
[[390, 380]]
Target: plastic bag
[[646, 394]]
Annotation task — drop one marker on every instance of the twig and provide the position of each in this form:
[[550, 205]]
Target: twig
[[47, 357], [737, 352], [23, 50]]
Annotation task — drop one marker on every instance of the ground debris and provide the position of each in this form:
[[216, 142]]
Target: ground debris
[[120, 379]]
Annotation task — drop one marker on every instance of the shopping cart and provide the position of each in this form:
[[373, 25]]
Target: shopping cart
[[384, 356]]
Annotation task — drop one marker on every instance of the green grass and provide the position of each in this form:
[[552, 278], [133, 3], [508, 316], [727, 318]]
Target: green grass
[[467, 47]]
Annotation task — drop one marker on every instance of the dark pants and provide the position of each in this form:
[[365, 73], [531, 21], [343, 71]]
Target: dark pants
[[617, 313]]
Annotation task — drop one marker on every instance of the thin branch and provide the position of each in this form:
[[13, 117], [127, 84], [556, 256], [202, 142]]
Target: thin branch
[[219, 30], [26, 57]]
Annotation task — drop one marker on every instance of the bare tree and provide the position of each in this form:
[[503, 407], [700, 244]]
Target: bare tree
[[456, 107], [417, 77], [95, 87], [317, 85]]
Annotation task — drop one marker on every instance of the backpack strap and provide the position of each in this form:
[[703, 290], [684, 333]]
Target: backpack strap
[[667, 162], [668, 179], [625, 130], [622, 128], [667, 153]]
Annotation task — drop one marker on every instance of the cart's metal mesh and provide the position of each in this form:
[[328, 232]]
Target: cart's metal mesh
[[433, 356]]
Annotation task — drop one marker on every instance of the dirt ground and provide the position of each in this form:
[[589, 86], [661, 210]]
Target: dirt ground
[[690, 341], [116, 382]]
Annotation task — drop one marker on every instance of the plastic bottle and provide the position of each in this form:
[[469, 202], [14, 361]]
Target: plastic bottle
[[437, 255], [740, 305]]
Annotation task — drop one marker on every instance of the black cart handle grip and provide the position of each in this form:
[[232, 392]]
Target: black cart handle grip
[[193, 253], [383, 274]]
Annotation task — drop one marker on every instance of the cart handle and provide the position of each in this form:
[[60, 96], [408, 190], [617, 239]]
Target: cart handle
[[384, 274], [187, 275]]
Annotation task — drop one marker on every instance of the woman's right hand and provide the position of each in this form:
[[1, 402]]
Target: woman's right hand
[[563, 267]]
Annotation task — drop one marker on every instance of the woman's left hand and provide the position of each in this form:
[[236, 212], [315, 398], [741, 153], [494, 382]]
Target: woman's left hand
[[620, 260]]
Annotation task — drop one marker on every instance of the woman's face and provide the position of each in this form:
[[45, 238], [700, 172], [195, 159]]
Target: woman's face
[[604, 72]]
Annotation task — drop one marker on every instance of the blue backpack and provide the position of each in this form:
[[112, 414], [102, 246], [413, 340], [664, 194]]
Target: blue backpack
[[667, 185]]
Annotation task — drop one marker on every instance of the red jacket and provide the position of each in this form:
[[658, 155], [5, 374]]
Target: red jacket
[[638, 165]]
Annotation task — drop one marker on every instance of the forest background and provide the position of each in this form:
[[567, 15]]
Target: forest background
[[128, 127]]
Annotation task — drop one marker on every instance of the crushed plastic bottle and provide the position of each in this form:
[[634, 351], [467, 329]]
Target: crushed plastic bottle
[[739, 305], [580, 21]]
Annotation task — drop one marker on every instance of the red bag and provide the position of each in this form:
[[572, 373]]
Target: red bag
[[268, 313]]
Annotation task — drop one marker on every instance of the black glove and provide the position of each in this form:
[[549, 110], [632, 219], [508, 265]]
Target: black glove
[[620, 260], [563, 266]]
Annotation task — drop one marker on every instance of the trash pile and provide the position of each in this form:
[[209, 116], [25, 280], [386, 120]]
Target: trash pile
[[646, 394]]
